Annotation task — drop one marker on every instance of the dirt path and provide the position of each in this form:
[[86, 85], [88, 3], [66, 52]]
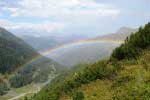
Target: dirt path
[[19, 96], [39, 87], [24, 94]]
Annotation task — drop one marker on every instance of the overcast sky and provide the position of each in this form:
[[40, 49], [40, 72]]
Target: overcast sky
[[65, 17]]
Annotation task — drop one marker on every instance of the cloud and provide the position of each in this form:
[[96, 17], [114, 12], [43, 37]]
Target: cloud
[[93, 17], [43, 27], [62, 8], [67, 16]]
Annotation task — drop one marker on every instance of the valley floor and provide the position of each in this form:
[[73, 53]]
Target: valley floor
[[16, 94]]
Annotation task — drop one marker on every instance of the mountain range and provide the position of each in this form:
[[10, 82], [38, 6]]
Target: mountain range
[[43, 43], [21, 64], [77, 54]]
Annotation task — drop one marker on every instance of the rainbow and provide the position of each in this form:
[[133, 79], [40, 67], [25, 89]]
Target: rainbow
[[67, 45]]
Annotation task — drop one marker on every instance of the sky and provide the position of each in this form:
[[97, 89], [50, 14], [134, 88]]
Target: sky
[[68, 17]]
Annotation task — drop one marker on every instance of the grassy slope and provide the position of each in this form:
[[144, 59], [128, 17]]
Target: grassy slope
[[131, 82]]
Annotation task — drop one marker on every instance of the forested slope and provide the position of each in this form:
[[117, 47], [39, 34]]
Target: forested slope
[[13, 52], [15, 68]]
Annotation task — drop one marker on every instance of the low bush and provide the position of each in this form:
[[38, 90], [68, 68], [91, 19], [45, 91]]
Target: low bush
[[78, 95]]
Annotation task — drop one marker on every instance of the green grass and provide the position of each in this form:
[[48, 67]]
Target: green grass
[[27, 96]]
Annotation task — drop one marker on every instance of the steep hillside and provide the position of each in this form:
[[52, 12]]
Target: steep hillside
[[15, 69], [125, 76], [13, 52], [120, 35], [131, 82]]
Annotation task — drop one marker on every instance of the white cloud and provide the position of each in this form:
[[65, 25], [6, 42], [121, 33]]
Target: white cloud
[[46, 27], [63, 8], [71, 16]]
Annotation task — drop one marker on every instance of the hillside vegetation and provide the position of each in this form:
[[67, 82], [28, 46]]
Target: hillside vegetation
[[13, 52], [14, 70], [125, 76], [134, 44]]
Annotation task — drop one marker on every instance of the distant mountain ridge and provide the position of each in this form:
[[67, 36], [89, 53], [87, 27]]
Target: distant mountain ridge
[[43, 43], [119, 35]]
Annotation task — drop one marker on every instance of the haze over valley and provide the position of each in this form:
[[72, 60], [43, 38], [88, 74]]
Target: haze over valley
[[73, 52]]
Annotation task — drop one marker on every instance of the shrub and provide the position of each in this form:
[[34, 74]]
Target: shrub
[[78, 95], [3, 87], [122, 80]]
